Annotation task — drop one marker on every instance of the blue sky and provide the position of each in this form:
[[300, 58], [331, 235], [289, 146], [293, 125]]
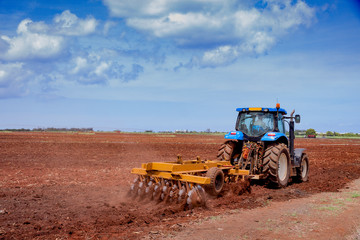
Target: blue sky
[[164, 65]]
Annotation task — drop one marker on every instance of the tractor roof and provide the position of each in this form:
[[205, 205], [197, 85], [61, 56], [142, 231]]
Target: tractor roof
[[259, 109]]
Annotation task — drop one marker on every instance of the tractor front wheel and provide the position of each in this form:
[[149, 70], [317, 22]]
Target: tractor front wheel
[[302, 172], [276, 164]]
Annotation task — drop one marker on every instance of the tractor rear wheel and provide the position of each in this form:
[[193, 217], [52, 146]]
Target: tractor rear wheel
[[276, 164], [217, 178], [226, 151], [302, 172]]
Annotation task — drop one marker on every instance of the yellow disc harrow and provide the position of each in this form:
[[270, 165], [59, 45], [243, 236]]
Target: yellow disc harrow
[[184, 182]]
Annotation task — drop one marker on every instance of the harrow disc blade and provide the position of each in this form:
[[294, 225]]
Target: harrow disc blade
[[182, 194], [141, 189], [149, 190], [156, 195], [174, 194], [196, 197], [134, 188], [168, 191]]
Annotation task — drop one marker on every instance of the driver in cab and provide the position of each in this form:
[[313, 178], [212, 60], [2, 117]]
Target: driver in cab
[[260, 121]]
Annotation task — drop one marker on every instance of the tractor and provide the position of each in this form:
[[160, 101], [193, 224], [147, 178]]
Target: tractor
[[258, 149], [261, 146]]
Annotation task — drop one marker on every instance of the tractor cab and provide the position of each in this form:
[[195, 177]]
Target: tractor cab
[[257, 123], [254, 124]]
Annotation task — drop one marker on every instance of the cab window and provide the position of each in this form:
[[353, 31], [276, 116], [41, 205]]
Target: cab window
[[281, 124]]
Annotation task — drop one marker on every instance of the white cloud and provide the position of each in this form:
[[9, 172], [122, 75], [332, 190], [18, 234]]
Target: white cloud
[[28, 44], [225, 29], [107, 26], [97, 68], [244, 20], [177, 24], [129, 8], [151, 8], [219, 56], [38, 40], [13, 80], [80, 64], [69, 24], [258, 43], [39, 56], [2, 74], [101, 69]]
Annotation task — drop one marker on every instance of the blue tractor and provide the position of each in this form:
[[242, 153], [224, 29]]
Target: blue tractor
[[261, 146]]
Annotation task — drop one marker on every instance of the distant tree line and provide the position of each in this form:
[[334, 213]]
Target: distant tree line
[[312, 131], [336, 134], [16, 130], [52, 129], [300, 132]]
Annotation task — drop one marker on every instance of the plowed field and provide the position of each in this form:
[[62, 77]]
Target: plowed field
[[62, 185]]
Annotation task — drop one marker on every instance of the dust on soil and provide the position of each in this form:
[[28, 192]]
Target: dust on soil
[[326, 215], [62, 185]]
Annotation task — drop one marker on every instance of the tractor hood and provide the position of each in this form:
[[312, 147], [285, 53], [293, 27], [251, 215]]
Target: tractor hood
[[268, 137], [235, 135]]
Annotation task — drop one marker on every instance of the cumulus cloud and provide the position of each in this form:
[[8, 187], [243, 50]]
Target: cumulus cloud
[[39, 54], [12, 83], [219, 56], [151, 8], [96, 69], [67, 23], [225, 29], [28, 44], [184, 29], [38, 40], [107, 26], [90, 70]]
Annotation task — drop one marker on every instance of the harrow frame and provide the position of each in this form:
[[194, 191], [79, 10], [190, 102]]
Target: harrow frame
[[191, 171], [184, 181]]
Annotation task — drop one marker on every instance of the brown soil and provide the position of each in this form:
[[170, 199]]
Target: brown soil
[[326, 215], [61, 185]]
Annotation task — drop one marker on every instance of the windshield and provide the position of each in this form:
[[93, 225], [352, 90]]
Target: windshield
[[255, 124]]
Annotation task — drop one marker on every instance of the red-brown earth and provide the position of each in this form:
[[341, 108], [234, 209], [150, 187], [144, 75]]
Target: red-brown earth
[[73, 185]]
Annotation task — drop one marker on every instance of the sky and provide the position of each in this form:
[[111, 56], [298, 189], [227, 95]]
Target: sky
[[166, 65]]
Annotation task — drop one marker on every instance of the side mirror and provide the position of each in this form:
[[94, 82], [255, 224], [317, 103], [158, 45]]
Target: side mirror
[[297, 118]]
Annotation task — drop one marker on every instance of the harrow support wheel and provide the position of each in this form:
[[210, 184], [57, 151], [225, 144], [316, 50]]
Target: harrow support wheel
[[276, 164], [217, 178], [302, 172]]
